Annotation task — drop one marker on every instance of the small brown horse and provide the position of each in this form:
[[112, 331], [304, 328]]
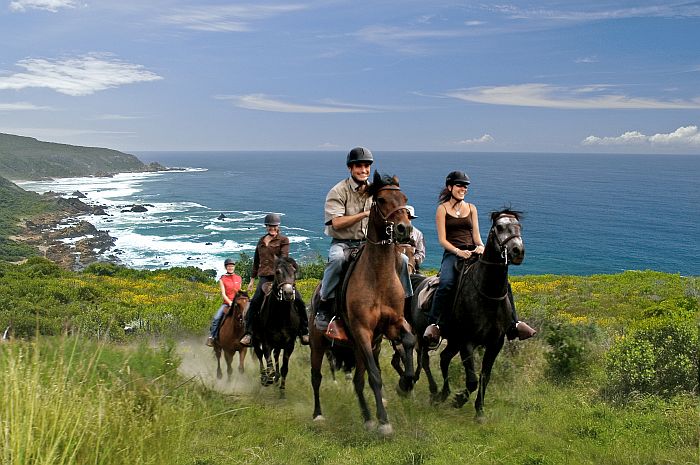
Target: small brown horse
[[230, 334], [373, 303]]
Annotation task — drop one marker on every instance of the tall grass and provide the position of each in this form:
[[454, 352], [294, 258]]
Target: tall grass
[[71, 402]]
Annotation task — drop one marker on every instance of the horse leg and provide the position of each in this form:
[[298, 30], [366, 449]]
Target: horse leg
[[424, 356], [219, 373], [285, 368], [446, 357], [228, 355], [467, 356], [407, 380], [331, 363], [359, 383], [276, 357], [490, 355], [241, 359], [396, 359], [317, 351], [375, 381]]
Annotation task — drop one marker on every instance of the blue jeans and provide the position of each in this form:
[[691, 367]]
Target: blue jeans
[[336, 260], [443, 295], [216, 322]]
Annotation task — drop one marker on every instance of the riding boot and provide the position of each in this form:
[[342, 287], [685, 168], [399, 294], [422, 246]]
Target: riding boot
[[324, 313], [247, 339]]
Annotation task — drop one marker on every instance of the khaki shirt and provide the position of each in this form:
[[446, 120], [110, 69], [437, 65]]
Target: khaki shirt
[[343, 200]]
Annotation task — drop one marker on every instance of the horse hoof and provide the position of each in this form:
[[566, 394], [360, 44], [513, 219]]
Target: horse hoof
[[386, 430], [219, 375], [319, 419], [370, 425], [480, 418]]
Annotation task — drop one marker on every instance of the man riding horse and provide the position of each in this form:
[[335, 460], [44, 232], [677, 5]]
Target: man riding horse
[[346, 211]]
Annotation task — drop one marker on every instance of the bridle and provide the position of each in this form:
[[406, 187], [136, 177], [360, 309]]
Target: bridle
[[502, 243], [388, 225]]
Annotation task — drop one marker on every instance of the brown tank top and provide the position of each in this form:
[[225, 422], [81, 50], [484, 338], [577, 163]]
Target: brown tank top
[[458, 231]]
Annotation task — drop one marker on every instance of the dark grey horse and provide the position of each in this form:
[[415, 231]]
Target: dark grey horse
[[481, 313], [277, 326]]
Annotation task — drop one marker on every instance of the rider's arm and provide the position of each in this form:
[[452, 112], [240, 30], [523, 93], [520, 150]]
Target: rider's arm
[[476, 236], [223, 293], [419, 256], [342, 222], [284, 247]]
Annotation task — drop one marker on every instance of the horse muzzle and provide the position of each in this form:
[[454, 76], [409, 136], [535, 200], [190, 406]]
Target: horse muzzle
[[402, 232], [516, 251], [287, 292]]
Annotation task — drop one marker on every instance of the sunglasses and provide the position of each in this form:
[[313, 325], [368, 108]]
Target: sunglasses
[[459, 184]]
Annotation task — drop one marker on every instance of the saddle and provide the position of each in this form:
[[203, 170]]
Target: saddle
[[425, 295]]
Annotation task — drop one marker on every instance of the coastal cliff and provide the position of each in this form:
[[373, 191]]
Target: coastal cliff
[[30, 159], [33, 224]]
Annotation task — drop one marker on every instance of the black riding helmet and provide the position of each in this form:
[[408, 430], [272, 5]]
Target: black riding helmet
[[229, 261], [359, 155], [272, 219], [457, 177]]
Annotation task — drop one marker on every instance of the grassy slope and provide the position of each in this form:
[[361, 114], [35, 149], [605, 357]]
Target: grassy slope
[[27, 158], [16, 204], [530, 419]]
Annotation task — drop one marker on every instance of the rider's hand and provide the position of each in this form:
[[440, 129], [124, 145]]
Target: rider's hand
[[479, 249]]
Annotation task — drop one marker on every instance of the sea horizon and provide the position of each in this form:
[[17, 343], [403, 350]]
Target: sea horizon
[[580, 209]]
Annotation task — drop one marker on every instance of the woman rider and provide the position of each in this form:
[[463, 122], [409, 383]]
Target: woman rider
[[457, 224], [230, 284], [272, 245]]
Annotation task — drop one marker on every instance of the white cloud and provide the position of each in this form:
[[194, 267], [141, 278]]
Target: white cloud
[[688, 10], [485, 139], [404, 39], [683, 136], [48, 5], [118, 117], [264, 103], [593, 97], [225, 18], [83, 75], [21, 106]]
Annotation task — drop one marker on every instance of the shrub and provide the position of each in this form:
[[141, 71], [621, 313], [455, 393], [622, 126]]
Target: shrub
[[659, 356], [572, 349], [313, 269]]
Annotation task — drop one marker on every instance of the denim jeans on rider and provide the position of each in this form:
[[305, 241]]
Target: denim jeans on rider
[[214, 329], [443, 295]]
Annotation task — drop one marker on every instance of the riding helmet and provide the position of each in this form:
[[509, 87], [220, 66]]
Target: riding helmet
[[457, 177], [359, 155], [229, 261], [272, 219]]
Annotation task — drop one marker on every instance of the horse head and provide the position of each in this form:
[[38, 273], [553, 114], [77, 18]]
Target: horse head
[[388, 220], [285, 277], [505, 242], [241, 301]]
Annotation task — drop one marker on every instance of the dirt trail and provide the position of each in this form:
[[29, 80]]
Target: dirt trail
[[199, 360]]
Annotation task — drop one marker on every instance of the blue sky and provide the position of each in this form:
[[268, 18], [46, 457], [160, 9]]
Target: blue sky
[[552, 76]]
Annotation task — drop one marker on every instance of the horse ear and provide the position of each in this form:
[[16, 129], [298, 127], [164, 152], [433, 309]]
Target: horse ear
[[377, 178], [395, 180]]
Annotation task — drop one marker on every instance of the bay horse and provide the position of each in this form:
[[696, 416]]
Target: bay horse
[[230, 334], [481, 313], [372, 304], [277, 325]]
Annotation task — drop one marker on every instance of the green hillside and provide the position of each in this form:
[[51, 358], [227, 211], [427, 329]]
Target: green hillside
[[17, 204], [28, 158]]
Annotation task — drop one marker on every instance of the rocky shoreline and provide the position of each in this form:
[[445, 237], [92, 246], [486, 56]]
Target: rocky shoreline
[[65, 239]]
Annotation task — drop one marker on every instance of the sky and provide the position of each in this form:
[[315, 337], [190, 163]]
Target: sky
[[537, 76]]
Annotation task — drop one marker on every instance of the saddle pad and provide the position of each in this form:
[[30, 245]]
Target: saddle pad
[[426, 294]]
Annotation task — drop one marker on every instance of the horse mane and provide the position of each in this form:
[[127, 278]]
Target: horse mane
[[381, 180], [289, 260], [241, 293], [507, 211]]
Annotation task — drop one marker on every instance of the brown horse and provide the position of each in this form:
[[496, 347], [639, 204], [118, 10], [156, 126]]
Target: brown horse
[[373, 303], [230, 335]]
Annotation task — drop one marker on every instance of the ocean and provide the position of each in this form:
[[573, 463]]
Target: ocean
[[584, 213]]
